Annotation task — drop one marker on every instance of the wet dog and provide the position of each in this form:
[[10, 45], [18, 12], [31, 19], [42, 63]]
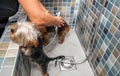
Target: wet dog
[[26, 35], [61, 32]]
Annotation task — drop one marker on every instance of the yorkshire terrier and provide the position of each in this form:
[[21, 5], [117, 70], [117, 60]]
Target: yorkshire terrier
[[27, 36], [62, 31]]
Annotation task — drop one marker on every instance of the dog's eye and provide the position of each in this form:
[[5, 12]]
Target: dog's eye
[[24, 47]]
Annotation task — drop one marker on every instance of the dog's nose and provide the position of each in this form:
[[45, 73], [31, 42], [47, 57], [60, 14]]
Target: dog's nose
[[12, 30]]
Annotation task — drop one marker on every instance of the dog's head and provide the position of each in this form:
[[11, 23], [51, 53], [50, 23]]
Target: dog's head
[[24, 34]]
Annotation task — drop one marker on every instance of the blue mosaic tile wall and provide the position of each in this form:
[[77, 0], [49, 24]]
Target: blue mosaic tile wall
[[98, 29], [69, 9]]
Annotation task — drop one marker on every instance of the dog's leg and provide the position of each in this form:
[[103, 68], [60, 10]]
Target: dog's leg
[[43, 70]]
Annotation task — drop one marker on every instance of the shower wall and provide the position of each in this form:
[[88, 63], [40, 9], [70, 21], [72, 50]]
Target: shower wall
[[98, 29], [69, 9], [97, 26]]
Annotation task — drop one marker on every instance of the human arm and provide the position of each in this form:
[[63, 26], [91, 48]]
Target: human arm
[[38, 13]]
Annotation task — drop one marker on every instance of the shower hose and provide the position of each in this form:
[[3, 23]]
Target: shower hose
[[61, 61]]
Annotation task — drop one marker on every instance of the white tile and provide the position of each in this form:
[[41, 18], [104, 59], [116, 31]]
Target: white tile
[[69, 73], [85, 69]]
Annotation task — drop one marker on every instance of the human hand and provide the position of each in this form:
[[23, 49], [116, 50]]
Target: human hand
[[51, 20], [59, 21], [39, 15]]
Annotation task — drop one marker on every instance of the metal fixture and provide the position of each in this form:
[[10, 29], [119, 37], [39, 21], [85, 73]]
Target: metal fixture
[[66, 66], [72, 62]]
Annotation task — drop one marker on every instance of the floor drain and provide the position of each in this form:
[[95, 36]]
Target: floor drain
[[66, 66]]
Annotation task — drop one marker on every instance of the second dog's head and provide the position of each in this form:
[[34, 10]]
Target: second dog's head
[[24, 34]]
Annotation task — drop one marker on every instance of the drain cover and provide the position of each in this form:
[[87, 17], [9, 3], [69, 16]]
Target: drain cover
[[66, 66]]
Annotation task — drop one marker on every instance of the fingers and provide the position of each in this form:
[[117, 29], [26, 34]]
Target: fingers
[[59, 21], [48, 20]]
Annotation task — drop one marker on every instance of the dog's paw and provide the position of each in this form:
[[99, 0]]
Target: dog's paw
[[59, 57], [62, 57]]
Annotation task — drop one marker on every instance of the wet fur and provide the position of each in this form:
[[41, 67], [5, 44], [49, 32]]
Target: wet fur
[[62, 31], [31, 44], [38, 56]]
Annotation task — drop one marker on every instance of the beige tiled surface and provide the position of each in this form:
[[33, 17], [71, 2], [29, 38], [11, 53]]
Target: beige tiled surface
[[8, 54], [71, 47]]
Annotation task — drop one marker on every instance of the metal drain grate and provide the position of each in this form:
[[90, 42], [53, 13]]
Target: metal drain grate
[[66, 66]]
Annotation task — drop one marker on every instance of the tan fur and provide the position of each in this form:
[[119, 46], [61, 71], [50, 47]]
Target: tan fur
[[15, 28], [24, 34], [61, 33]]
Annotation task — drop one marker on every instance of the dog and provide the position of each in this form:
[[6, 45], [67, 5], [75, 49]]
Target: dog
[[27, 36], [46, 30]]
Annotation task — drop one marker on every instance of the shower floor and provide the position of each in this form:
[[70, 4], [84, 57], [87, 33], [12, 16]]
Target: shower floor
[[71, 47]]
